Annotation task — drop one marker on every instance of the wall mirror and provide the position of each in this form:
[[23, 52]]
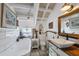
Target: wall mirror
[[68, 24]]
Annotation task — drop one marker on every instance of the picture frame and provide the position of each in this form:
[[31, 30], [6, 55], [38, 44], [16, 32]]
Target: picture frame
[[50, 25], [8, 17]]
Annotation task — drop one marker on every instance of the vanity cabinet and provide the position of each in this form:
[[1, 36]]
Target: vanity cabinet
[[52, 52], [55, 51]]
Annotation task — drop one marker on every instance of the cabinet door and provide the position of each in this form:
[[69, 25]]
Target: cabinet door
[[52, 52], [52, 46], [61, 53]]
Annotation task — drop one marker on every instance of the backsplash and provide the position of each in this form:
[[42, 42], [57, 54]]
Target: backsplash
[[52, 36], [2, 33]]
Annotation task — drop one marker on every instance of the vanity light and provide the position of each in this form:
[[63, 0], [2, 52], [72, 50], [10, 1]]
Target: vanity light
[[67, 7]]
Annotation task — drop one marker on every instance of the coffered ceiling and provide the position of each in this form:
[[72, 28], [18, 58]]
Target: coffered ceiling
[[44, 11], [27, 9], [23, 8]]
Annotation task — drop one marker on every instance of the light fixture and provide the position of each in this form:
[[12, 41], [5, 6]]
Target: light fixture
[[29, 14], [67, 7]]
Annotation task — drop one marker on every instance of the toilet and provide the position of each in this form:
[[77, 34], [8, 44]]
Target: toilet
[[42, 41]]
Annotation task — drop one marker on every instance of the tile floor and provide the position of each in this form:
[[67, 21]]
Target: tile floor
[[39, 52]]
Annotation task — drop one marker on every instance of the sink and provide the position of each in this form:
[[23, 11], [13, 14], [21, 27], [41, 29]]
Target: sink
[[62, 43]]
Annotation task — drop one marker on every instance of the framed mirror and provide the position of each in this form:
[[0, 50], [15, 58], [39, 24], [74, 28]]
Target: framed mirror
[[68, 24]]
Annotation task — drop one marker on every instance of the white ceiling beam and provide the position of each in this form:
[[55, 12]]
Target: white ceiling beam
[[45, 10], [36, 8], [25, 8], [20, 5], [41, 18]]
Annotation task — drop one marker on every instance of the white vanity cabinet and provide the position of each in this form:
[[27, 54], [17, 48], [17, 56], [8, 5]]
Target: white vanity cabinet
[[55, 51], [52, 52]]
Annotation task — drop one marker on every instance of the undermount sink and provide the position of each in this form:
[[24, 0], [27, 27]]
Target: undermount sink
[[62, 43]]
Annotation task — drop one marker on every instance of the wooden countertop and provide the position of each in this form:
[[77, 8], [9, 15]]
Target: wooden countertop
[[72, 50]]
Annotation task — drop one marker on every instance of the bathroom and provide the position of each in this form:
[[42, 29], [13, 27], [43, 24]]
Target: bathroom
[[39, 29]]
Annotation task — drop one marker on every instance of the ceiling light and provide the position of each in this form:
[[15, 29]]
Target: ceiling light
[[66, 7]]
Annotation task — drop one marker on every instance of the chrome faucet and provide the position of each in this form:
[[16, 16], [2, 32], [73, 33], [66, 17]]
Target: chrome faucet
[[57, 36], [17, 39], [20, 36]]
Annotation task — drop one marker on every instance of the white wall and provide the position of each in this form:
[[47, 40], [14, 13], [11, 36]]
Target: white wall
[[54, 16], [26, 23], [44, 23]]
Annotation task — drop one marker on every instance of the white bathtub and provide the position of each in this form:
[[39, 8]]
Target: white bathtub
[[9, 46], [23, 47]]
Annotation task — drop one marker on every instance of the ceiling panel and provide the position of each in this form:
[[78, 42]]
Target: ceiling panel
[[51, 5], [45, 10], [43, 5], [26, 5], [44, 19], [23, 8], [46, 14], [40, 13], [38, 19]]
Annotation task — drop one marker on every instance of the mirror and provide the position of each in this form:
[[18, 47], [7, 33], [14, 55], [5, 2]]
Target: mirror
[[68, 24]]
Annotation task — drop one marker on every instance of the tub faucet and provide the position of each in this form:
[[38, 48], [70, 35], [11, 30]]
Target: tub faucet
[[17, 39], [57, 36], [20, 36]]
